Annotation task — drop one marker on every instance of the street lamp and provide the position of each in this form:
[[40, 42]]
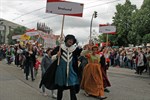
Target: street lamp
[[93, 16]]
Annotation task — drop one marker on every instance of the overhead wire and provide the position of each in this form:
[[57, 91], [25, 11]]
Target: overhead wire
[[57, 15], [41, 9], [29, 12], [21, 4], [40, 19], [103, 4]]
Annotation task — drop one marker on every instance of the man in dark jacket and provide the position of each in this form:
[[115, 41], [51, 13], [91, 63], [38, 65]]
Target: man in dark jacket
[[66, 71]]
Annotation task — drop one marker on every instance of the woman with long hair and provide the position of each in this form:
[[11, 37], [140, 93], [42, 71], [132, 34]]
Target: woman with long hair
[[30, 61]]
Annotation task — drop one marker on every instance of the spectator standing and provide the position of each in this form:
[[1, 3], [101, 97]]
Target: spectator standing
[[45, 63]]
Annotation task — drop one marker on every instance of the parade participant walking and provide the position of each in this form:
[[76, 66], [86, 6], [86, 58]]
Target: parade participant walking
[[36, 67], [30, 61], [17, 52], [45, 63], [104, 61], [66, 73], [82, 61], [92, 80]]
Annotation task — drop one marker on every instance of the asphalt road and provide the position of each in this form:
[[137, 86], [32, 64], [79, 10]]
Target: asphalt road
[[125, 85]]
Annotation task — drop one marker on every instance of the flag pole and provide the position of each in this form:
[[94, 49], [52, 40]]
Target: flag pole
[[61, 36]]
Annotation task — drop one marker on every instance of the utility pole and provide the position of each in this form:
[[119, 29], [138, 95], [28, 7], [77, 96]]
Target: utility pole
[[94, 15]]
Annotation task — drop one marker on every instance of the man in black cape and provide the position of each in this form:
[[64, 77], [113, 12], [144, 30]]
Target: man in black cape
[[65, 75]]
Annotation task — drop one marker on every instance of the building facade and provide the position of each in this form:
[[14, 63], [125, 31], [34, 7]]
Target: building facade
[[5, 28]]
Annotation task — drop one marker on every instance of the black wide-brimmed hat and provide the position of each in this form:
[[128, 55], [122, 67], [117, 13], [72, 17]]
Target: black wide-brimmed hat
[[70, 37]]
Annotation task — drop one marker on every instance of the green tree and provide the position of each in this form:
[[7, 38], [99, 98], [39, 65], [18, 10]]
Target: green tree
[[16, 31], [146, 38], [102, 38], [132, 35], [141, 23], [123, 21]]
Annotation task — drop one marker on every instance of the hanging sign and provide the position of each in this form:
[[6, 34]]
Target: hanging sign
[[64, 8], [107, 29]]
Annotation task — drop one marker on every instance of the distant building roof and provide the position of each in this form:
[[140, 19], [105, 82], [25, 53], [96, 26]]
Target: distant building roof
[[10, 23]]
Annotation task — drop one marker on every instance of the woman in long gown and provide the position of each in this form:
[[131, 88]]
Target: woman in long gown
[[92, 80]]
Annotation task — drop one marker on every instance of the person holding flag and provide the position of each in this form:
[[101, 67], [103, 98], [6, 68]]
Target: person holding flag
[[64, 75]]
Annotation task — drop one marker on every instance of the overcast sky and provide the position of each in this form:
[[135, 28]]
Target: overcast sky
[[29, 12]]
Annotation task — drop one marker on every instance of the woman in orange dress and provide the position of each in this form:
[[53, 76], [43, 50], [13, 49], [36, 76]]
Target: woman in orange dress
[[92, 80]]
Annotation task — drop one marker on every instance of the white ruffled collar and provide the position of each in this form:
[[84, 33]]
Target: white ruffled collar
[[70, 49]]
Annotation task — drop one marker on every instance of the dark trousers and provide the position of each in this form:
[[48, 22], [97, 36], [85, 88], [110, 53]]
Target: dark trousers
[[8, 60], [72, 93], [140, 69], [112, 62], [29, 68]]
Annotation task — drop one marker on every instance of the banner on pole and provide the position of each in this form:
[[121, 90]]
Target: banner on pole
[[103, 28], [49, 42], [64, 8], [24, 37], [16, 37], [32, 32]]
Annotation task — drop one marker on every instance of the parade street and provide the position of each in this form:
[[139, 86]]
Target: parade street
[[125, 85]]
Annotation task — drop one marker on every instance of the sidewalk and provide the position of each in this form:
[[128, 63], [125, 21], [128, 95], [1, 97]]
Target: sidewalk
[[126, 71]]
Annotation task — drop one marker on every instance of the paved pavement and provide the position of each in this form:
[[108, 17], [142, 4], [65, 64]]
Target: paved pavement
[[125, 85]]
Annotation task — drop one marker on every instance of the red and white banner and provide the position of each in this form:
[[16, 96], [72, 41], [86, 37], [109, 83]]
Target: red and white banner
[[64, 8], [50, 40], [32, 32], [104, 28], [50, 44]]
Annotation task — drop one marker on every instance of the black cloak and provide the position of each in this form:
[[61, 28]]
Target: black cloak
[[48, 79]]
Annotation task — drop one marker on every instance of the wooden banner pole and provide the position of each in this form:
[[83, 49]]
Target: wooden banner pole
[[61, 36]]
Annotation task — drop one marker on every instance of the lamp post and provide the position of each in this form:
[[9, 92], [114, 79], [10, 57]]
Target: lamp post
[[94, 15]]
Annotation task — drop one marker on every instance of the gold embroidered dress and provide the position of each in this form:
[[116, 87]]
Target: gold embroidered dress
[[92, 81]]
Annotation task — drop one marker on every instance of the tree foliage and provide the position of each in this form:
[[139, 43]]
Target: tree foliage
[[146, 38], [16, 31], [102, 38], [123, 21], [141, 22], [132, 24]]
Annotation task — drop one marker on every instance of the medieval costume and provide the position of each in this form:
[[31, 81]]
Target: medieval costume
[[65, 74], [104, 67], [92, 80]]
